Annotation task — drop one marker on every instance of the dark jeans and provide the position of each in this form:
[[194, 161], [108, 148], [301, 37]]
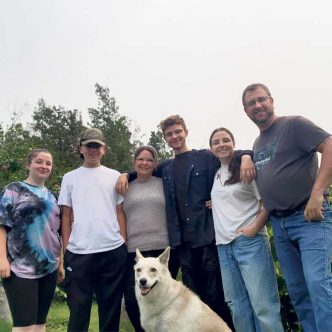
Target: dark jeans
[[201, 273], [129, 293], [102, 273]]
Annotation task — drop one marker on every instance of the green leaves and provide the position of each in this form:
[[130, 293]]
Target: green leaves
[[116, 128], [58, 129], [157, 141]]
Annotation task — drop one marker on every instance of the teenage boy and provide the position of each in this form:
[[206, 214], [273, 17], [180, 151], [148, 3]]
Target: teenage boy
[[93, 243], [187, 181]]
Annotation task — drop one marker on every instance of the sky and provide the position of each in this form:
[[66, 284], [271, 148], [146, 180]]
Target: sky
[[164, 57]]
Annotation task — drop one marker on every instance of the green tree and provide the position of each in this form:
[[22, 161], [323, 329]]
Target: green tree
[[57, 130], [157, 141], [15, 144], [116, 129]]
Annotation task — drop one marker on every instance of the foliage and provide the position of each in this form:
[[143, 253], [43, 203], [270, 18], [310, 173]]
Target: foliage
[[288, 315], [116, 129], [57, 130], [157, 141], [15, 144]]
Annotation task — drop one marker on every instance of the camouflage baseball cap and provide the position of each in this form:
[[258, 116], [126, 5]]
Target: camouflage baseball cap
[[92, 135]]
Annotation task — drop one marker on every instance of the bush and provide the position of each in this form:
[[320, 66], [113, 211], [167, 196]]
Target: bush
[[288, 315]]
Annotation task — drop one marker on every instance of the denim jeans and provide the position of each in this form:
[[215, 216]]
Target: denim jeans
[[250, 284], [304, 250]]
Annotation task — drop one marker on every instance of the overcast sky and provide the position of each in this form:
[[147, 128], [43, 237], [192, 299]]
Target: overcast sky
[[163, 57]]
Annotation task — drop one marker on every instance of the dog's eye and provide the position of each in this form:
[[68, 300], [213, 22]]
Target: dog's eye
[[138, 270], [153, 269]]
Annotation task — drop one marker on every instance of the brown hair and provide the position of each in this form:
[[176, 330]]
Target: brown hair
[[221, 129], [235, 164], [170, 121], [253, 87], [34, 152], [151, 149]]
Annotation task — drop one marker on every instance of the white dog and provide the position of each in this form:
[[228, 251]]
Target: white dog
[[166, 305]]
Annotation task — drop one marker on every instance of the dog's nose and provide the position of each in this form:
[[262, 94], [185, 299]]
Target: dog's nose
[[143, 281]]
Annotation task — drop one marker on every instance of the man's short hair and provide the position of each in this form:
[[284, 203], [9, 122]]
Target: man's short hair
[[171, 121], [253, 87]]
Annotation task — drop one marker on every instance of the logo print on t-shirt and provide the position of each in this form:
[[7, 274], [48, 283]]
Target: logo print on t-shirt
[[265, 155]]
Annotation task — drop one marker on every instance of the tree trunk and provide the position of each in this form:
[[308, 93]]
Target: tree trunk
[[4, 309]]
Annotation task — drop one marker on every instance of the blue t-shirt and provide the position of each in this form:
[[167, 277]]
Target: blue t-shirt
[[31, 217]]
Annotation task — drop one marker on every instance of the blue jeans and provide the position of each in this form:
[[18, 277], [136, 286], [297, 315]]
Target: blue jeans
[[250, 284], [304, 250]]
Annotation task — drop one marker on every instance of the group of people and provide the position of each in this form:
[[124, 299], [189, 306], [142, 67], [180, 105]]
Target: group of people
[[210, 206]]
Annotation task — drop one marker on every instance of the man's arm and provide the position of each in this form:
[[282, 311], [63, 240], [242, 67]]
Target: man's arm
[[61, 271], [313, 210], [4, 263], [247, 171], [122, 185], [66, 222], [122, 221]]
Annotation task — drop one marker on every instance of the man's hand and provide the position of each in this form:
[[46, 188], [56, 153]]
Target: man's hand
[[60, 274], [208, 204], [122, 184], [313, 210], [247, 172], [4, 267]]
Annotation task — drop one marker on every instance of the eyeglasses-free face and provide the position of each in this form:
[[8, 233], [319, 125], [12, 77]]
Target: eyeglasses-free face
[[40, 167], [252, 102], [92, 153]]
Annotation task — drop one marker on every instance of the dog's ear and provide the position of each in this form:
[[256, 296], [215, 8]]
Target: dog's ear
[[164, 257], [138, 255]]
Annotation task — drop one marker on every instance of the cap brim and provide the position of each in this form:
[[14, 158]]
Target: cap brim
[[87, 141]]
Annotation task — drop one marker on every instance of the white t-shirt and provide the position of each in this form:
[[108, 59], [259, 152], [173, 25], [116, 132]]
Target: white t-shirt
[[233, 206], [90, 192]]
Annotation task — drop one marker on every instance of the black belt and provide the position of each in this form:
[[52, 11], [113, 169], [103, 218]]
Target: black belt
[[288, 212]]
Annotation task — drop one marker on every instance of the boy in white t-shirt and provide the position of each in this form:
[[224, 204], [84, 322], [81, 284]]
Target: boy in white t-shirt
[[94, 249]]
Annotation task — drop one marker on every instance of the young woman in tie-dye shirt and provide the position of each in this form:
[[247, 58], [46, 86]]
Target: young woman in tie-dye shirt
[[30, 244]]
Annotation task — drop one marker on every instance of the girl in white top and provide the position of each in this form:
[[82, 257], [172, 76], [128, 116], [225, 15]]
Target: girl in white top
[[245, 258]]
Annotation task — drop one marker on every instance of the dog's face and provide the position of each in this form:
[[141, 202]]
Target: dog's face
[[149, 271]]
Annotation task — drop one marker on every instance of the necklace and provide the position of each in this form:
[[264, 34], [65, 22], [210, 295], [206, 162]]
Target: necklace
[[223, 174]]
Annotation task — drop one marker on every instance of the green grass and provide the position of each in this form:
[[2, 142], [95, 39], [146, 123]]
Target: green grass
[[58, 317], [4, 326]]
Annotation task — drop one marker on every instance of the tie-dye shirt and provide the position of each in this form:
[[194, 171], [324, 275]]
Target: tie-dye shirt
[[31, 217]]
